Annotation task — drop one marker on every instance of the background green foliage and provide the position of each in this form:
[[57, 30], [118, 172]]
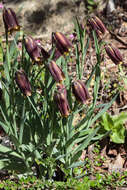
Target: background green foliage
[[115, 125]]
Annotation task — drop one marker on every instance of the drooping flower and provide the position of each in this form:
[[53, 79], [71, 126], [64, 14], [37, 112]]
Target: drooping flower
[[23, 82], [10, 20], [61, 42], [97, 25], [33, 49], [114, 54], [80, 91], [56, 72], [60, 98]]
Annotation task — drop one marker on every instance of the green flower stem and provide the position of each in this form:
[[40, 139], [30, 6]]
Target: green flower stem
[[29, 99], [78, 73], [22, 123], [22, 59], [7, 57]]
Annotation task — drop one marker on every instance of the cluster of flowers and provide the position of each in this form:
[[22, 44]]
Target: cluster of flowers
[[63, 45], [97, 25]]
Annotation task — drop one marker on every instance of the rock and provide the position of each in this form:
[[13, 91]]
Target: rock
[[44, 17], [110, 7], [117, 166]]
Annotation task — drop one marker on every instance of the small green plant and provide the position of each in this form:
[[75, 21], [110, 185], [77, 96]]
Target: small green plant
[[91, 5], [100, 181], [114, 125]]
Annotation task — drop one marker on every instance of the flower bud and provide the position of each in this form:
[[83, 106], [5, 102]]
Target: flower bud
[[33, 49], [23, 82], [114, 54], [61, 42], [10, 20], [56, 71], [61, 100], [80, 91], [97, 25]]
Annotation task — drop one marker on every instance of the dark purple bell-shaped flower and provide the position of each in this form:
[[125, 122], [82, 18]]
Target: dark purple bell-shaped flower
[[61, 42], [56, 72], [114, 54], [97, 25], [80, 91], [23, 82], [60, 98], [10, 20], [33, 49]]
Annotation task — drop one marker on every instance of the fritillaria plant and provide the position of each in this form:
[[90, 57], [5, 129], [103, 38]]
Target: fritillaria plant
[[38, 107]]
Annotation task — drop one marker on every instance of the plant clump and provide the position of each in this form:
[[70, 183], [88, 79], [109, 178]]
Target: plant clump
[[38, 115]]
